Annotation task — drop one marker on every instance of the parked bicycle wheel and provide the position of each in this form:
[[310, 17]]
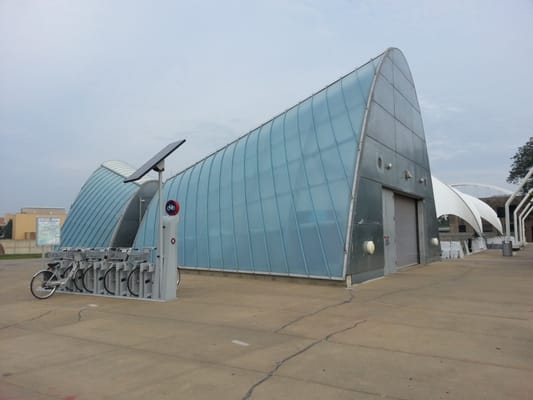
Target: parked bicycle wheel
[[110, 280], [39, 285], [77, 279], [88, 279], [134, 281]]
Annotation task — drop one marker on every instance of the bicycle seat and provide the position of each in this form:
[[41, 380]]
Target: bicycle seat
[[53, 264]]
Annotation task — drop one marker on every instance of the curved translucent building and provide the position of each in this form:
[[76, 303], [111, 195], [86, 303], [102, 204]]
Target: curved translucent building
[[304, 193], [107, 212]]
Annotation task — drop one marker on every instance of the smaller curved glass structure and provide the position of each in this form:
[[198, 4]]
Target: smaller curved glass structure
[[107, 212]]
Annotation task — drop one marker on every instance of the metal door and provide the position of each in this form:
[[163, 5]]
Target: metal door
[[406, 228]]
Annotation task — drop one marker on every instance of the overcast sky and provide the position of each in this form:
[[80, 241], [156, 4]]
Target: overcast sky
[[83, 82]]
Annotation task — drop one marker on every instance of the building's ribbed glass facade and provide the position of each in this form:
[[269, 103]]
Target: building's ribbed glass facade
[[277, 199]]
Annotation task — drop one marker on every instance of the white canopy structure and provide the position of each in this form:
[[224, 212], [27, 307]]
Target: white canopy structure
[[485, 211], [449, 200], [481, 189]]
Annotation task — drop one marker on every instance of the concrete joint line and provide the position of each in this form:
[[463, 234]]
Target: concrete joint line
[[28, 320], [279, 364]]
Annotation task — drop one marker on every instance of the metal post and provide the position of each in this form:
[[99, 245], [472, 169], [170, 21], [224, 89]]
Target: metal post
[[160, 168], [141, 201], [507, 243], [157, 163], [517, 232], [522, 221]]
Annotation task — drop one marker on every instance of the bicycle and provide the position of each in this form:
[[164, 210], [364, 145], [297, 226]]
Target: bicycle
[[45, 282]]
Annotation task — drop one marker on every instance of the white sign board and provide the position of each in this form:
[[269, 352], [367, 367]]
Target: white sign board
[[48, 231]]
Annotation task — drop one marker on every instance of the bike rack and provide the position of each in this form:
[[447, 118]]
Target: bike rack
[[155, 281], [118, 262]]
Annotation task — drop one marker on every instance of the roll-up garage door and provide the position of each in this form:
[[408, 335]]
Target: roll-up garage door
[[406, 231]]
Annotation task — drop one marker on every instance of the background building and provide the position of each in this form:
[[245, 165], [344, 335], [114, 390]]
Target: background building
[[25, 222], [23, 227]]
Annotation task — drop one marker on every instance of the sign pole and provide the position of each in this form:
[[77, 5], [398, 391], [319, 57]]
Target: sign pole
[[160, 169]]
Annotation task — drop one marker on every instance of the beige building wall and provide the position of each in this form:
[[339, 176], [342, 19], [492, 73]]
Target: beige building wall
[[25, 224]]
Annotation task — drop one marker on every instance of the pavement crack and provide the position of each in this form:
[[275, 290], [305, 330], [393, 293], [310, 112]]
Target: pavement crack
[[28, 320], [81, 311], [279, 364], [310, 314]]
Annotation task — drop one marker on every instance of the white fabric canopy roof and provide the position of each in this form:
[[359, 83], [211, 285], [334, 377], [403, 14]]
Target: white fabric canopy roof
[[449, 200], [485, 211]]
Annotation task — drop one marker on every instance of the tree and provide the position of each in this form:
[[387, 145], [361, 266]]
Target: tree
[[522, 162], [8, 230]]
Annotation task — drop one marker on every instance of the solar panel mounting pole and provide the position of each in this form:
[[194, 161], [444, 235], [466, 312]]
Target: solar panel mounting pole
[[160, 168], [157, 163]]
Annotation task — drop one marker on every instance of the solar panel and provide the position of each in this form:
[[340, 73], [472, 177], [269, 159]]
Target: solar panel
[[151, 164]]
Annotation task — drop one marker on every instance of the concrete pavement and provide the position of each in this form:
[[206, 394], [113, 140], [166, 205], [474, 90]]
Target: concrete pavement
[[459, 329]]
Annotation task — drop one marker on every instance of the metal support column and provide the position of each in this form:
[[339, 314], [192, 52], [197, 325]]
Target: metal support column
[[507, 247]]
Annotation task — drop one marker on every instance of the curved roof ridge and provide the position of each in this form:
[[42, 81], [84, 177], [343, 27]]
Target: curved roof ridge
[[125, 170]]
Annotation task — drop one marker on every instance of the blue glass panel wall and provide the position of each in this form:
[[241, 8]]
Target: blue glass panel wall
[[93, 217], [275, 201]]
